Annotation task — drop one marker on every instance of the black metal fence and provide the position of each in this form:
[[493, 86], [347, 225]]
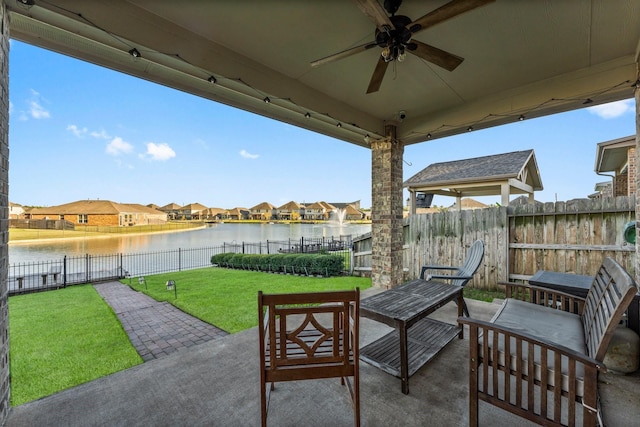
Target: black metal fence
[[74, 270]]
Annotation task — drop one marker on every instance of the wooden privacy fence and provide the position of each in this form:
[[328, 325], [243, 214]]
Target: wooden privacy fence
[[571, 236]]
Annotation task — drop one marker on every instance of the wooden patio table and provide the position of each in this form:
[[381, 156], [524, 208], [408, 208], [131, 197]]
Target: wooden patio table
[[576, 284], [416, 338]]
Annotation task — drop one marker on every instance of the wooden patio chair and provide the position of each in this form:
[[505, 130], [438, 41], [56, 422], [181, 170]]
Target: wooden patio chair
[[461, 275], [309, 336]]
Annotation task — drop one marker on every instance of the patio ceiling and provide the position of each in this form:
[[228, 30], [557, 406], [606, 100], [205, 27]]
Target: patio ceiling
[[521, 58]]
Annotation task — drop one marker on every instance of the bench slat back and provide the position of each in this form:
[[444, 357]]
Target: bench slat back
[[609, 297]]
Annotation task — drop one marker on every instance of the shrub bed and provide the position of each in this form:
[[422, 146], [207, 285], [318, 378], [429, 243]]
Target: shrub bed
[[304, 264]]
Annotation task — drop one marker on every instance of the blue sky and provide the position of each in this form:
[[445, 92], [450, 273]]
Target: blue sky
[[79, 131]]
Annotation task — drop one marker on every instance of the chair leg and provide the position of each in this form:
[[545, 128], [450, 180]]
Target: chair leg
[[465, 310], [263, 405]]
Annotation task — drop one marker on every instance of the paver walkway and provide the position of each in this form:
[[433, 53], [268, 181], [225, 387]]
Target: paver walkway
[[155, 328]]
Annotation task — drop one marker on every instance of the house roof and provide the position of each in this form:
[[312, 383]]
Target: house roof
[[613, 155], [94, 207], [469, 203], [343, 205], [193, 207], [479, 176], [135, 207], [215, 211], [237, 211], [170, 207], [264, 206], [351, 210], [316, 205], [327, 206], [291, 206]]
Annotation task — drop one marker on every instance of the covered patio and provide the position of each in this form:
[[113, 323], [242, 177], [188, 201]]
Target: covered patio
[[210, 385], [348, 70]]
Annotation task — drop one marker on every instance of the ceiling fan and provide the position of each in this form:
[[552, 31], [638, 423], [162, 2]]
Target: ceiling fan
[[394, 34]]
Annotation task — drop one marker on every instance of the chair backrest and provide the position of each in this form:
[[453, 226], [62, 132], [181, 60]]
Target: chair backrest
[[471, 263], [610, 295], [308, 335]]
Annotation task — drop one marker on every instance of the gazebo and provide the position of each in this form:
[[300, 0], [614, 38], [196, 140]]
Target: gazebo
[[499, 174]]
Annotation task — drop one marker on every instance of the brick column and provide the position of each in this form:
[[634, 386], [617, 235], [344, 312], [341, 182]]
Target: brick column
[[637, 162], [4, 214], [386, 210]]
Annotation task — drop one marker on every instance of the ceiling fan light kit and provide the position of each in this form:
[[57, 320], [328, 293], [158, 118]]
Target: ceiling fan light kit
[[394, 35]]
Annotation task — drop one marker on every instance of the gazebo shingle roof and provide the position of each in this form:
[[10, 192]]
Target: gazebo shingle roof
[[479, 169]]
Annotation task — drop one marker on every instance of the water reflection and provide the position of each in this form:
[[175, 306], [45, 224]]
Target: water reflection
[[205, 237]]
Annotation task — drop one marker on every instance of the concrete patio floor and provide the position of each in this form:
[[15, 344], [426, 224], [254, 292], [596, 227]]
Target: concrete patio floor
[[217, 384]]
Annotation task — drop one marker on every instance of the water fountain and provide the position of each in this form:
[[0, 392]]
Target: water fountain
[[337, 216]]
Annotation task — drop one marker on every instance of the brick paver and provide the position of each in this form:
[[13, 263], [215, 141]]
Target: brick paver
[[156, 329]]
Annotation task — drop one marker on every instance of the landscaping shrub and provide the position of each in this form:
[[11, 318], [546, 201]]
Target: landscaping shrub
[[307, 264]]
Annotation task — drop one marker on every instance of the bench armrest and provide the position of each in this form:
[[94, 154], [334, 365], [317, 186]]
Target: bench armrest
[[479, 328], [447, 276], [436, 267], [544, 296]]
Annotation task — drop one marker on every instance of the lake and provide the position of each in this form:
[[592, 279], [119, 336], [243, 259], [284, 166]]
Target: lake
[[210, 236]]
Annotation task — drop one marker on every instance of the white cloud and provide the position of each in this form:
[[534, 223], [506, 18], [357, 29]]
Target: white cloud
[[118, 146], [102, 134], [36, 110], [77, 131], [247, 155], [613, 109], [160, 152]]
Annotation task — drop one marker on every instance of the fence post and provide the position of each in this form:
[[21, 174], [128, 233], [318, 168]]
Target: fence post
[[86, 268], [351, 261], [243, 246], [64, 271]]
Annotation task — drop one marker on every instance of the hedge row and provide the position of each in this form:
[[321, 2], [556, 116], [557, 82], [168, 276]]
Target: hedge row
[[308, 264]]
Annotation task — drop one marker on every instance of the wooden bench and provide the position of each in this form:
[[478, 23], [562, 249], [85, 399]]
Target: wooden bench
[[540, 355], [55, 271]]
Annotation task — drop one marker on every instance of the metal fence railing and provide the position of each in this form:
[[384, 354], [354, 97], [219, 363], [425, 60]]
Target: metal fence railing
[[73, 270]]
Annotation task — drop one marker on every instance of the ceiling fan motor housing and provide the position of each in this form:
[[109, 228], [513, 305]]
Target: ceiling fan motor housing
[[395, 39]]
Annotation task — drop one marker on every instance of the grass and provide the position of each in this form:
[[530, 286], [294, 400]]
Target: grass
[[228, 298], [483, 294], [17, 234], [63, 338]]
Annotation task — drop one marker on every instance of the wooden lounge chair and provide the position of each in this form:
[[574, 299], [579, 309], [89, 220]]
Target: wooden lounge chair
[[309, 336], [461, 275]]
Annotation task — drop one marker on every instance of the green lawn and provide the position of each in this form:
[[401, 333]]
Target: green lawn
[[228, 298], [62, 338]]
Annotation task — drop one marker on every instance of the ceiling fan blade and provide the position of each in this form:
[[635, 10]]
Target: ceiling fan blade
[[447, 11], [343, 54], [378, 75], [439, 57], [376, 13]]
